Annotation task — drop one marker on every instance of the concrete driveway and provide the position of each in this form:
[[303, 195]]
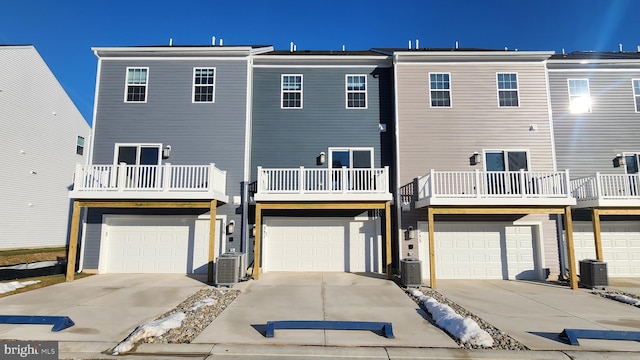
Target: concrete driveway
[[535, 313], [104, 308], [323, 296]]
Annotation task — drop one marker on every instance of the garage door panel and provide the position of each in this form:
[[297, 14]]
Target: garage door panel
[[620, 246]]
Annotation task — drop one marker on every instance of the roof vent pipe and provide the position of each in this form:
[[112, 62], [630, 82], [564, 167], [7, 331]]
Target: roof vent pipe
[[220, 41], [344, 48], [295, 47], [213, 41], [417, 44], [170, 41], [638, 48], [409, 44], [456, 44], [563, 53], [291, 46], [620, 47], [506, 48]]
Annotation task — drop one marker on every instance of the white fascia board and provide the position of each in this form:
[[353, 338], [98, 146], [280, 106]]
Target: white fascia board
[[177, 51], [635, 62], [429, 56]]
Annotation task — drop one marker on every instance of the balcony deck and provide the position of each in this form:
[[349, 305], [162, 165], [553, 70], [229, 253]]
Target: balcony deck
[[607, 190], [301, 184], [489, 188], [149, 182]]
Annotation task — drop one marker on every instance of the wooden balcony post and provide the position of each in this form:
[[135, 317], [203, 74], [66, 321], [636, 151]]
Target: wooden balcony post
[[568, 225], [257, 245], [73, 242], [432, 252], [301, 180], [597, 237], [166, 179], [212, 240]]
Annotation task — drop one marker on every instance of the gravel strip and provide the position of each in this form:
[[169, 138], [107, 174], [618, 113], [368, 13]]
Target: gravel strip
[[610, 294], [198, 319], [501, 340]]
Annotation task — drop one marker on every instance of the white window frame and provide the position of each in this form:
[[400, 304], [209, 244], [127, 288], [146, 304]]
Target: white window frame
[[350, 150], [282, 91], [572, 97], [193, 90], [517, 89], [347, 91], [636, 156], [78, 146], [440, 90], [138, 152], [126, 84], [636, 96], [505, 157]]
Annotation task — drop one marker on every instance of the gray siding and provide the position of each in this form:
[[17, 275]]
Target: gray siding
[[286, 138], [199, 133], [587, 143]]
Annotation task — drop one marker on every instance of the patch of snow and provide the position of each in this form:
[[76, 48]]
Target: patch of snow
[[465, 329], [625, 299], [202, 303], [13, 285], [153, 328]]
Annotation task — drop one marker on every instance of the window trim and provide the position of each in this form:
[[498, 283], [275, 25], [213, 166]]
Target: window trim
[[517, 89], [589, 110], [126, 84], [504, 157], [636, 97], [282, 91], [350, 150], [117, 146], [78, 146], [439, 90], [365, 92], [194, 85], [636, 155]]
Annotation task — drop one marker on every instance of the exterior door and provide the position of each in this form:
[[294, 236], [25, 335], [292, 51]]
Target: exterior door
[[148, 156], [631, 164], [354, 158], [506, 165]]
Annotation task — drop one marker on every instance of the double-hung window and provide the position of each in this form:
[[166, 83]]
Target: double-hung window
[[80, 145], [204, 82], [636, 93], [137, 81], [579, 97], [440, 89], [356, 91], [508, 90], [291, 91]]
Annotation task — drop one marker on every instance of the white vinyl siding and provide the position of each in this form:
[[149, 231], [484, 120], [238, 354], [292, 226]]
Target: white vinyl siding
[[508, 94], [204, 82], [291, 91], [356, 89], [136, 85], [440, 89], [579, 97]]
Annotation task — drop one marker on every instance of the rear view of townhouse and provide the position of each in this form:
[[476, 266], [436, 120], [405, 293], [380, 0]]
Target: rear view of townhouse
[[595, 100], [163, 188], [320, 161], [480, 195], [42, 137]]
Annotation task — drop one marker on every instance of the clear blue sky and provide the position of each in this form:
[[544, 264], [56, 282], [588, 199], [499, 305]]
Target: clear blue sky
[[64, 31]]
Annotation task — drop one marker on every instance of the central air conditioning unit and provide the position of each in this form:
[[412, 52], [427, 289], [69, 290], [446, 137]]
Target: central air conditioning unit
[[410, 272], [227, 271], [593, 274], [242, 262]]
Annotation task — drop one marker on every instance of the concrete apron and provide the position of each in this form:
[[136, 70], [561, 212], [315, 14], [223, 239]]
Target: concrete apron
[[104, 307], [323, 296], [535, 313]]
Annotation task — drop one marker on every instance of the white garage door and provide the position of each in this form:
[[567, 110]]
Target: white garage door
[[620, 246], [312, 244], [155, 244], [481, 251]]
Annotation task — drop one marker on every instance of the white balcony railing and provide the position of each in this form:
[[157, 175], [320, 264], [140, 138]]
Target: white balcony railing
[[301, 183], [606, 189], [149, 181], [493, 187]]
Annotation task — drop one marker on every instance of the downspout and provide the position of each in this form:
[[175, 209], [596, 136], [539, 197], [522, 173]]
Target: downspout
[[396, 147], [247, 159], [245, 218]]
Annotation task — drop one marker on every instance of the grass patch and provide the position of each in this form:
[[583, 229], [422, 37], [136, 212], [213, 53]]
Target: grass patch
[[21, 256], [44, 281]]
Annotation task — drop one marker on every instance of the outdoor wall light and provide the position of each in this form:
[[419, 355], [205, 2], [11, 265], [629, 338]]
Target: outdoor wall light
[[231, 226], [252, 232], [321, 158], [618, 160], [475, 159], [166, 152], [410, 233]]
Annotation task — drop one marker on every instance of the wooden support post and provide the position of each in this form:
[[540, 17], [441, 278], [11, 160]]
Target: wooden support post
[[257, 246], [597, 236], [212, 239], [568, 225], [73, 242], [387, 235], [432, 253]]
